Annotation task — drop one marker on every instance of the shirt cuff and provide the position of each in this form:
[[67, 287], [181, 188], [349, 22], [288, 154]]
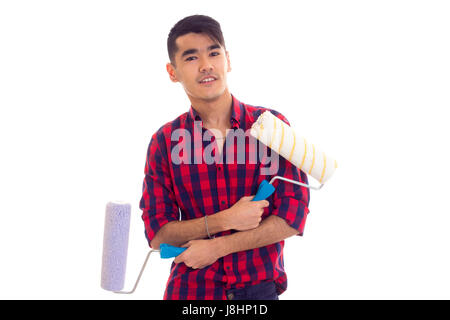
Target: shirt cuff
[[155, 223], [293, 211]]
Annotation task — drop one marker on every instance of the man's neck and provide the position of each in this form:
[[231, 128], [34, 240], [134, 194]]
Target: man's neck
[[215, 113]]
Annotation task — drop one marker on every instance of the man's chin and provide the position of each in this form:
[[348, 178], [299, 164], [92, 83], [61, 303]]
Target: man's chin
[[209, 97]]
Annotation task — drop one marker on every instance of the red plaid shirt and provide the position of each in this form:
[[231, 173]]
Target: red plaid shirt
[[186, 191]]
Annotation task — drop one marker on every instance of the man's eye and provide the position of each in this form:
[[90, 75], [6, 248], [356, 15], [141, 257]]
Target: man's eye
[[190, 58], [215, 53]]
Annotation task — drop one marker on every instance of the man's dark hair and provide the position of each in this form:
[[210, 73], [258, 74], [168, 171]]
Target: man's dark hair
[[196, 24]]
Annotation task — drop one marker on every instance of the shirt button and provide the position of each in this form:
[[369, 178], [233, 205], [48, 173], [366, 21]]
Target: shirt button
[[230, 296], [223, 202], [220, 168], [228, 268]]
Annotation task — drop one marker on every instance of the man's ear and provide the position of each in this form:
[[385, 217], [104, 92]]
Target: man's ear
[[171, 71], [228, 60]]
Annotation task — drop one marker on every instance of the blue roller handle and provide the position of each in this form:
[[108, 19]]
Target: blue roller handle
[[265, 189], [169, 251]]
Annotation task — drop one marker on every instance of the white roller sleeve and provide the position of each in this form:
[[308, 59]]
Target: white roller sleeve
[[280, 137]]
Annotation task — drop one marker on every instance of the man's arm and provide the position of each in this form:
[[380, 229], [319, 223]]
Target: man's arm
[[202, 253], [177, 233], [273, 229], [243, 215]]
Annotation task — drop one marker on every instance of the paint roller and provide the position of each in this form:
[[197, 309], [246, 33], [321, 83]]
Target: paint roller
[[115, 248], [280, 137]]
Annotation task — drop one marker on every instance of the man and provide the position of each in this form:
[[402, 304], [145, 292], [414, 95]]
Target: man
[[234, 245]]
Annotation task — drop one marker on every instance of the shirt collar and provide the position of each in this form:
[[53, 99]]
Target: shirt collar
[[236, 113]]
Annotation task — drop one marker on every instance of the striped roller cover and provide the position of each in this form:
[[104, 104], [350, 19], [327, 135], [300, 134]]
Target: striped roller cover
[[280, 137]]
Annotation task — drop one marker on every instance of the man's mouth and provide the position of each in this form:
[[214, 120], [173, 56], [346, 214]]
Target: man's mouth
[[207, 80]]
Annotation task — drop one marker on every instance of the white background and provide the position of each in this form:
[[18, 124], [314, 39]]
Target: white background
[[83, 86]]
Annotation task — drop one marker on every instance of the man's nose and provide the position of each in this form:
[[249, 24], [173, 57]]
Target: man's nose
[[206, 65]]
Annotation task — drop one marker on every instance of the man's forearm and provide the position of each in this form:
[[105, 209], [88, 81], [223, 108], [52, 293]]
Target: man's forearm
[[271, 230], [177, 233]]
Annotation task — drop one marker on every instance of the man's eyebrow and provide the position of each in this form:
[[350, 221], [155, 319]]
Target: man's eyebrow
[[192, 51]]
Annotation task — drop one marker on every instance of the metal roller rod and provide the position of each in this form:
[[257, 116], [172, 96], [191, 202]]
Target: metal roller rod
[[296, 182], [140, 274]]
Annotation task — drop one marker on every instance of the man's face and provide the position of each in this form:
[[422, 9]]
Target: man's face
[[199, 58]]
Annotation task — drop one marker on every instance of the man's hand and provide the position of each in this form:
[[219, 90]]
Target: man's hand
[[245, 214], [200, 253]]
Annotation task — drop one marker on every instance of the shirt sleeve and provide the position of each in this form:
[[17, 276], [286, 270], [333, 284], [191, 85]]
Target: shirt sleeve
[[158, 202], [290, 201]]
